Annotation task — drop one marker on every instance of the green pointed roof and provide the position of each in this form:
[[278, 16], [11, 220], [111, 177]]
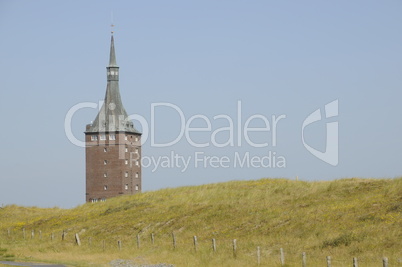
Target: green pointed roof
[[112, 116]]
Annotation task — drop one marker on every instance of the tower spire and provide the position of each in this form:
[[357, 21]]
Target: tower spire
[[112, 59], [112, 116]]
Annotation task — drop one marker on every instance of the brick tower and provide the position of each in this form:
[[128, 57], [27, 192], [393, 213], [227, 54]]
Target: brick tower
[[113, 145]]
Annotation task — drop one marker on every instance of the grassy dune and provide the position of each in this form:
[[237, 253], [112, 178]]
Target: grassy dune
[[343, 219]]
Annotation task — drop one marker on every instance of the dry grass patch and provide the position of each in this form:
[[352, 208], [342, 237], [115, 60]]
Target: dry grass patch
[[343, 218]]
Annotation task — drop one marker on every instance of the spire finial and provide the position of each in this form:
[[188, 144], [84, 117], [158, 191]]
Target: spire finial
[[111, 22]]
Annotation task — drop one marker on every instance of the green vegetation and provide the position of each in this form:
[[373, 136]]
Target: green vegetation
[[342, 219], [4, 256]]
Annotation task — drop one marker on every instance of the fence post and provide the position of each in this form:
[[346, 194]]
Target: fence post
[[77, 239], [63, 235], [214, 244], [23, 232], [32, 234], [258, 256], [40, 234], [174, 240], [8, 232], [138, 240], [89, 241], [385, 262], [304, 259], [328, 261], [103, 245], [195, 243], [51, 236], [234, 248], [152, 238], [282, 257], [355, 264], [119, 244]]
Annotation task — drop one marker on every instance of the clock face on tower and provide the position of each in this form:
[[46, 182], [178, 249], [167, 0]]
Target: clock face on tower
[[112, 106]]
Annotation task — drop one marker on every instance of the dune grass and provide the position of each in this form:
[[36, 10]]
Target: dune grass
[[343, 219]]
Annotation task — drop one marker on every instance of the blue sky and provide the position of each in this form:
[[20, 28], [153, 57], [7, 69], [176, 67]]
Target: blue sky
[[275, 57]]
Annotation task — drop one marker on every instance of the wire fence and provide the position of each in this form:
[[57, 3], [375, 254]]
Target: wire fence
[[232, 248]]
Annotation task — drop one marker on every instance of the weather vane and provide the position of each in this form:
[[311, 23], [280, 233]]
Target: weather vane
[[111, 22]]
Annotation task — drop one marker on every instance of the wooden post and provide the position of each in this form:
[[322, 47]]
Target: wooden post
[[32, 234], [328, 261], [8, 232], [40, 234], [77, 239], [355, 264], [304, 259], [214, 244], [234, 248], [89, 241], [153, 239], [195, 243], [103, 245], [174, 240], [258, 256], [23, 232], [63, 235], [51, 236], [385, 262], [282, 257], [119, 244], [138, 241]]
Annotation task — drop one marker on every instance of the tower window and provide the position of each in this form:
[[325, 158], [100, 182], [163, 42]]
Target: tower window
[[94, 138], [136, 163], [105, 149], [126, 174], [112, 137], [125, 137], [102, 137], [126, 149], [126, 187], [126, 161], [136, 139], [136, 187], [105, 175], [136, 175], [105, 187], [136, 150], [104, 162]]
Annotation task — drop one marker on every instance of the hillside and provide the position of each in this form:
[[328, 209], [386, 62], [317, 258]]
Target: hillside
[[342, 219]]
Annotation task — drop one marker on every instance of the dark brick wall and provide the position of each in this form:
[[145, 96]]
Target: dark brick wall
[[122, 165]]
